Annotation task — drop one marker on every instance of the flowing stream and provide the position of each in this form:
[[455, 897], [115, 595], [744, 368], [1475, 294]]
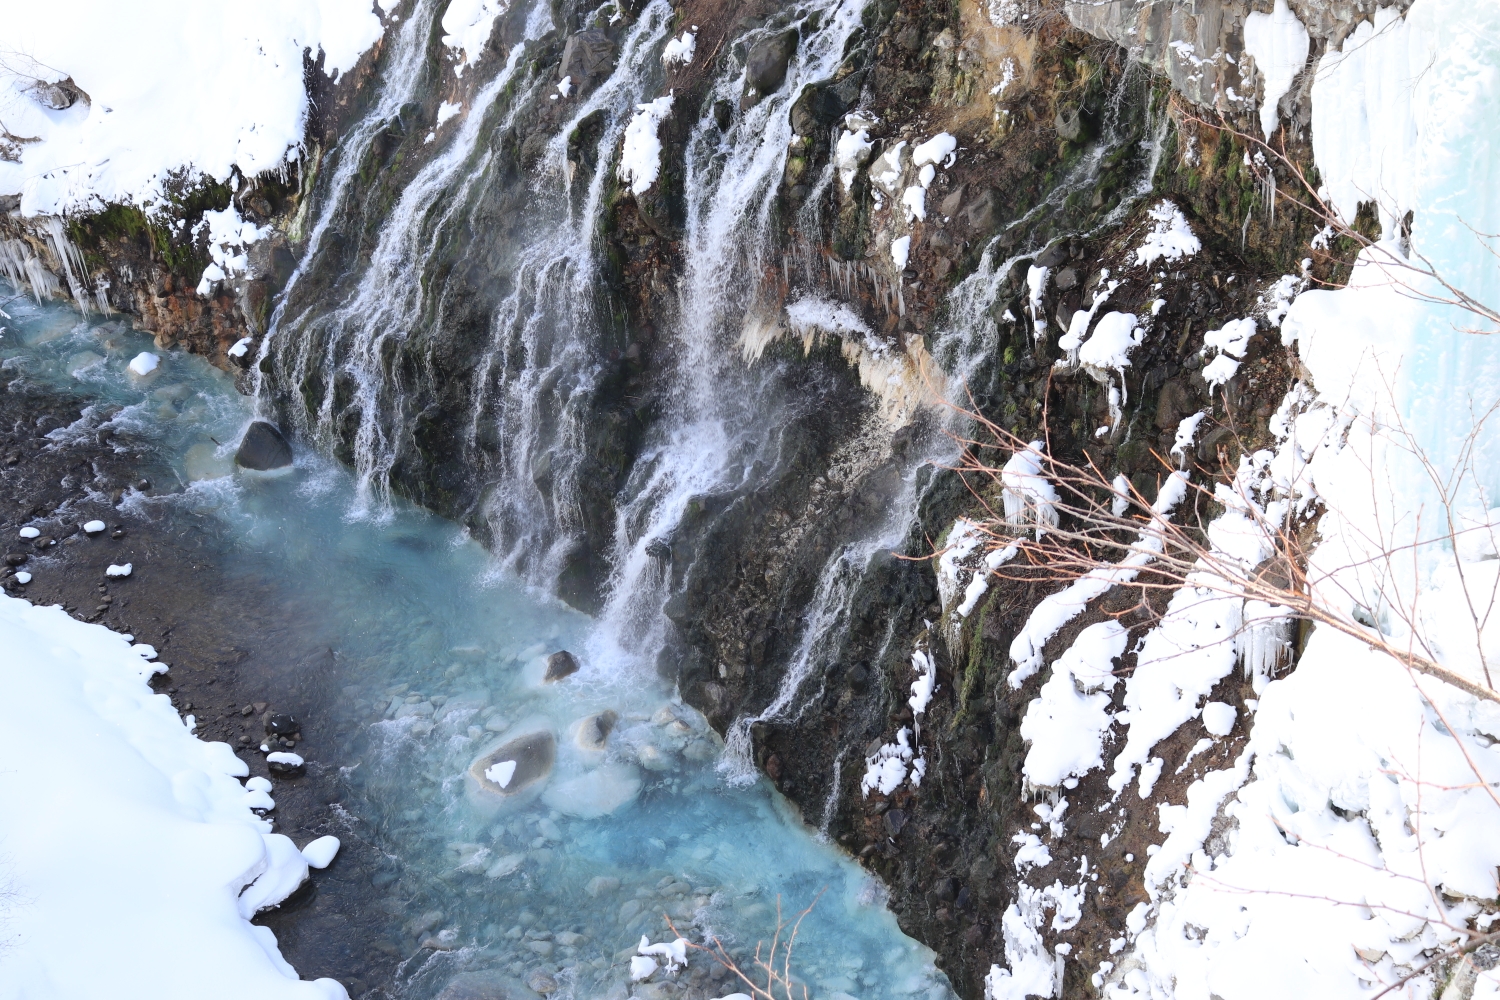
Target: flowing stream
[[440, 660]]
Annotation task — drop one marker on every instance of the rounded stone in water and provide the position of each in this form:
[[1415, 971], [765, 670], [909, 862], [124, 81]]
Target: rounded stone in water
[[532, 753], [484, 984], [263, 448]]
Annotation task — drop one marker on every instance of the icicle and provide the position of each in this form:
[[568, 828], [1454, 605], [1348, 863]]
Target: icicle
[[901, 298], [71, 260]]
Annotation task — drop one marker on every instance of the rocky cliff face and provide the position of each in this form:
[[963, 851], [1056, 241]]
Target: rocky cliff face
[[1064, 142]]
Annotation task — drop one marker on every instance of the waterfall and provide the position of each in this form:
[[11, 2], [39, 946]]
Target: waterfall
[[715, 432], [479, 295]]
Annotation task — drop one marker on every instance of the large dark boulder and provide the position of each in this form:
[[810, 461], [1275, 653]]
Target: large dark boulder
[[263, 448], [765, 69], [587, 57], [823, 105]]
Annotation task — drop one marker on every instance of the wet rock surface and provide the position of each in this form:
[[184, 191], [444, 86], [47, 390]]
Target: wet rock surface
[[263, 448]]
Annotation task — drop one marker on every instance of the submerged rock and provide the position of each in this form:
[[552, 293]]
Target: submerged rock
[[597, 793], [263, 448], [484, 984], [513, 771], [593, 732]]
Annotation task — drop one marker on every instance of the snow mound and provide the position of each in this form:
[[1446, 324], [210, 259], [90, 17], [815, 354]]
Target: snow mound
[[1170, 237], [129, 839]]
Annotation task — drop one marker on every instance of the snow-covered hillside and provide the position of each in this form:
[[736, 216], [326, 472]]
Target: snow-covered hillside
[[1357, 834], [101, 102]]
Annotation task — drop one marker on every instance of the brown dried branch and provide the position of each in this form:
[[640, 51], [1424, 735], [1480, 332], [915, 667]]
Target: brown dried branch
[[778, 975]]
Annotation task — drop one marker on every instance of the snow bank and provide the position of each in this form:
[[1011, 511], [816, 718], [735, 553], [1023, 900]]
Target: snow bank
[[200, 85], [1366, 126], [127, 840], [1278, 43], [640, 160]]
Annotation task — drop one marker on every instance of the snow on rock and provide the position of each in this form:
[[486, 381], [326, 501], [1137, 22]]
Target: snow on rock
[[886, 170], [900, 251], [128, 839], [1027, 494], [1066, 723], [228, 237], [447, 111], [1056, 610], [1078, 326], [143, 363], [22, 577], [118, 98], [1278, 43], [1218, 718], [1178, 664], [1036, 289], [850, 153], [914, 201], [117, 570], [29, 532], [810, 314], [291, 760], [1231, 341], [926, 683], [939, 150], [886, 768], [240, 348], [642, 967], [640, 160], [501, 772], [1170, 237], [1115, 336], [1187, 430], [679, 51], [674, 953], [320, 852], [1029, 970], [467, 25]]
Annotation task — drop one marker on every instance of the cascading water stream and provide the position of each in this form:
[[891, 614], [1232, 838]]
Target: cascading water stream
[[715, 432], [965, 346]]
